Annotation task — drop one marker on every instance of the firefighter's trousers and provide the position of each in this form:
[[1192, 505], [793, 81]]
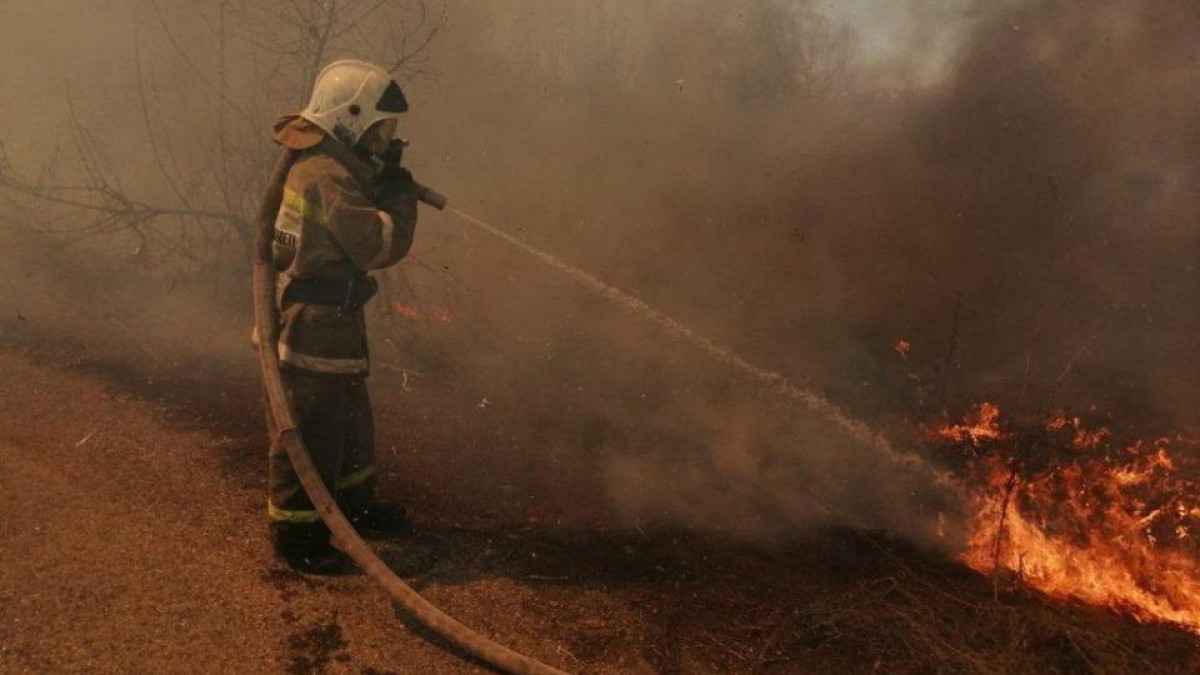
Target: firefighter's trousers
[[334, 416]]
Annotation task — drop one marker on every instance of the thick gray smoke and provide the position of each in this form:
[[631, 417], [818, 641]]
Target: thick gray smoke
[[1009, 187]]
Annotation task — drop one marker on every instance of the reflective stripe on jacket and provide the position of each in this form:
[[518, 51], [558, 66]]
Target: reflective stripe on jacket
[[329, 229]]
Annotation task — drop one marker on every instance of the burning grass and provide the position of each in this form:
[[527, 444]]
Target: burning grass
[[1068, 507]]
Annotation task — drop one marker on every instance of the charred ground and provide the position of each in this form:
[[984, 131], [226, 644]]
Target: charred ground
[[591, 595]]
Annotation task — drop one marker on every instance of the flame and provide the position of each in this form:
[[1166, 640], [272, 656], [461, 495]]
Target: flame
[[1084, 439], [1087, 519], [983, 425]]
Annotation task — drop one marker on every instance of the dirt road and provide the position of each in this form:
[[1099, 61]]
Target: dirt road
[[131, 540]]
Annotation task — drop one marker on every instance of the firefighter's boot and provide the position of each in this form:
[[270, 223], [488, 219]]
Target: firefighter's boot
[[380, 519], [305, 548]]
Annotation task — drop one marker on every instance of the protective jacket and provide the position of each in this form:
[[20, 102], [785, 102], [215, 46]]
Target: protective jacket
[[335, 224]]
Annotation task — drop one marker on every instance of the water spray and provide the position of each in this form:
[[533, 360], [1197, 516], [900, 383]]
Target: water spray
[[771, 381]]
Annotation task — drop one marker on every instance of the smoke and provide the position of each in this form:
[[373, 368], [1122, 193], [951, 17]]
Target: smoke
[[1061, 159], [1021, 221], [1009, 187]]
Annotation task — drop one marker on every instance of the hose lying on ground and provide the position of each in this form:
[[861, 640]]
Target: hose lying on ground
[[281, 410]]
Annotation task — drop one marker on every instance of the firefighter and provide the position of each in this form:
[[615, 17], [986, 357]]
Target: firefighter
[[337, 222]]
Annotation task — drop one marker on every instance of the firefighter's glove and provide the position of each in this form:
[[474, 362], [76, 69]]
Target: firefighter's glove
[[394, 179], [398, 196]]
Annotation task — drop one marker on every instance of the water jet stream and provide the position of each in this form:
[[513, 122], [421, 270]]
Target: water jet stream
[[772, 381]]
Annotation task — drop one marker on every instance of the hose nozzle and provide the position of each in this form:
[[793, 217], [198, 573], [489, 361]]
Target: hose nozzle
[[431, 197]]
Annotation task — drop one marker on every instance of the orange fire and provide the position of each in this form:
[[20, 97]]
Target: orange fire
[[1079, 516], [983, 425]]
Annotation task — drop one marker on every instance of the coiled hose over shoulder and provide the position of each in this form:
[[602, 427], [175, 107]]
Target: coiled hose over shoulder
[[280, 408]]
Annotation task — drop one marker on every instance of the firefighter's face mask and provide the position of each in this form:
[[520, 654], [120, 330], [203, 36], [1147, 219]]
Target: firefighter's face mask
[[379, 135]]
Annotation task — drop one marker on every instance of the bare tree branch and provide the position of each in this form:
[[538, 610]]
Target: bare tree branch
[[209, 156]]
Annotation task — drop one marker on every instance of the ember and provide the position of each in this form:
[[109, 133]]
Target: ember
[[439, 314]]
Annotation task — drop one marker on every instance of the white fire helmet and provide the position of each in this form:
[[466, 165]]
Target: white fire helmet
[[350, 96]]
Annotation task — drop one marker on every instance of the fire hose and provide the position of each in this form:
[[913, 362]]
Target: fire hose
[[281, 409]]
